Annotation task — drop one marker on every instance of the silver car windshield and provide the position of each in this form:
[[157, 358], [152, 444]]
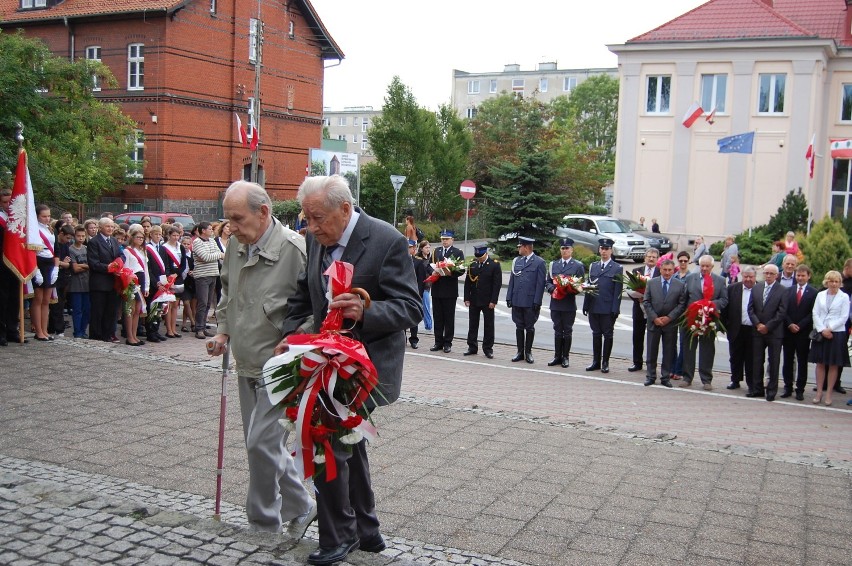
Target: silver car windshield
[[612, 227]]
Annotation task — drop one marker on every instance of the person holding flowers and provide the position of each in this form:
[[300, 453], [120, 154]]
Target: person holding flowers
[[481, 294], [664, 301], [382, 269], [258, 277], [524, 296], [135, 259], [445, 290], [563, 284], [603, 308], [709, 293], [636, 283]]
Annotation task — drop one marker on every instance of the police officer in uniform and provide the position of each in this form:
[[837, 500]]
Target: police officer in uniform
[[563, 311], [445, 291], [603, 308], [526, 290], [481, 293]]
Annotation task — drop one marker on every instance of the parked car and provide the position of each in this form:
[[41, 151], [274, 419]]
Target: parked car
[[663, 244], [587, 229], [186, 220]]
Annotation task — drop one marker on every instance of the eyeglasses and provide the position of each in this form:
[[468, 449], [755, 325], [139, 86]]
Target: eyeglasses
[[683, 261]]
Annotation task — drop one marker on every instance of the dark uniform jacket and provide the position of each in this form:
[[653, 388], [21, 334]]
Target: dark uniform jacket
[[526, 285], [482, 283], [569, 267], [608, 299], [447, 287]]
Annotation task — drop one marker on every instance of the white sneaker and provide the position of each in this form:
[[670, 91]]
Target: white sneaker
[[297, 527]]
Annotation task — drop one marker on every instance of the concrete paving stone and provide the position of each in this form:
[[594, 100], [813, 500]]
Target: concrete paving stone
[[731, 522], [827, 554], [33, 550], [631, 517], [533, 558], [732, 508], [660, 545], [681, 506], [56, 557], [561, 511], [593, 543], [450, 508], [106, 557], [763, 554], [158, 559], [638, 491], [636, 559], [719, 533], [496, 525], [66, 543], [579, 499], [717, 549], [676, 520]]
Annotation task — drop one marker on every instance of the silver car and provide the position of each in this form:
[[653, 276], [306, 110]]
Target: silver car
[[586, 230]]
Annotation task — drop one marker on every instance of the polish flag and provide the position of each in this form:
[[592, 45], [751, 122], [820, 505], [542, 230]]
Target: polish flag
[[692, 114], [254, 139], [22, 236], [711, 117], [242, 137], [810, 155]]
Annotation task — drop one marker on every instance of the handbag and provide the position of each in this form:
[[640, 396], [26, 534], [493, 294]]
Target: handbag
[[816, 336]]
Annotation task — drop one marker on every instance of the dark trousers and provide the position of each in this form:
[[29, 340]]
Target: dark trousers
[[639, 325], [563, 323], [601, 324], [104, 310], [10, 289], [524, 318], [668, 334], [795, 346], [56, 316], [740, 358], [473, 328], [766, 345], [346, 506], [444, 313]]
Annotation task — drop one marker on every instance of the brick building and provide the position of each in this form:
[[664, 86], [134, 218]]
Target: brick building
[[183, 68]]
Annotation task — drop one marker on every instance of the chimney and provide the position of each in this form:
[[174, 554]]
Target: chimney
[[511, 68]]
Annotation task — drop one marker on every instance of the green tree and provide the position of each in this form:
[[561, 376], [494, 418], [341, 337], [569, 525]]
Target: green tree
[[592, 110], [78, 146], [826, 248], [792, 216]]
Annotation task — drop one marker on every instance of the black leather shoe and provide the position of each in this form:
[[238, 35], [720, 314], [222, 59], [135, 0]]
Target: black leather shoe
[[666, 383], [593, 367], [751, 394], [840, 390], [373, 544], [518, 357], [470, 352], [634, 367], [733, 385], [489, 355], [529, 358], [447, 349], [414, 345], [604, 367], [800, 396], [770, 397], [786, 394], [565, 362], [435, 348], [330, 555], [554, 362], [649, 381]]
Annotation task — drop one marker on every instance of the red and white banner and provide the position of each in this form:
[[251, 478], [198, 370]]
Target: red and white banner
[[841, 148], [810, 155], [242, 137], [22, 238], [692, 114]]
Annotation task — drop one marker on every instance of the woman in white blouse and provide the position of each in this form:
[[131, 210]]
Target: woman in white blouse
[[135, 258], [829, 352], [45, 276]]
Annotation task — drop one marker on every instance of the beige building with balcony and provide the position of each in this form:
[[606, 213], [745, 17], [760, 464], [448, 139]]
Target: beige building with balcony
[[545, 82], [779, 68]]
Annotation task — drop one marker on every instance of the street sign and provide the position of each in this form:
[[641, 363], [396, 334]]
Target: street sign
[[397, 181], [467, 189]]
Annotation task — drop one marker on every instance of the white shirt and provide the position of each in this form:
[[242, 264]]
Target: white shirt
[[744, 319]]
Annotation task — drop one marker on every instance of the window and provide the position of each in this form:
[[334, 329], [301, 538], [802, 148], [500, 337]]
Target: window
[[713, 92], [326, 122], [291, 30], [518, 85], [137, 156], [659, 94], [569, 84], [354, 138], [341, 137], [253, 40], [364, 143], [93, 53], [136, 66], [29, 4], [356, 120], [212, 6], [341, 121], [846, 103], [473, 87], [251, 124], [364, 125], [492, 86], [841, 191], [471, 113], [542, 85], [771, 97]]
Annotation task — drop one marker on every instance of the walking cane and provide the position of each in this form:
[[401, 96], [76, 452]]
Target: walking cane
[[221, 456]]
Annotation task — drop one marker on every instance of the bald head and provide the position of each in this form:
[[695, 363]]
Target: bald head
[[248, 208]]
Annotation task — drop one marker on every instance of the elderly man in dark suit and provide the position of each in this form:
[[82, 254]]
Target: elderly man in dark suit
[[766, 311], [563, 311], [524, 296], [649, 271], [603, 308], [338, 230], [102, 250], [481, 293], [664, 302], [798, 323], [703, 285], [741, 333]]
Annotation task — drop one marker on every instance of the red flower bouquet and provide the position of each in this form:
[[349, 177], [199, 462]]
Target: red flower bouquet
[[322, 382], [567, 285], [126, 283], [635, 283], [701, 318], [444, 268]]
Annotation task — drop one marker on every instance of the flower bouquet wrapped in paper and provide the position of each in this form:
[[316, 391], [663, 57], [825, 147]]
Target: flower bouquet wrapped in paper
[[634, 284], [445, 268], [701, 318], [322, 382], [567, 285], [164, 295], [126, 284]]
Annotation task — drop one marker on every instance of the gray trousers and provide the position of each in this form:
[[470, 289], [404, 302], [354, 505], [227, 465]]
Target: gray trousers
[[705, 358], [205, 293], [275, 492]]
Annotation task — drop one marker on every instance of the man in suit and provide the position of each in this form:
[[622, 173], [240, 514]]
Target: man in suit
[[604, 308], [481, 294], [798, 323], [703, 285], [102, 250], [524, 295], [563, 311], [664, 302], [445, 291], [258, 277], [337, 230], [741, 333], [767, 310], [648, 271]]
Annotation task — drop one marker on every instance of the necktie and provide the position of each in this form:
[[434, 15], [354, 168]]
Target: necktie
[[799, 296], [766, 293], [665, 287]]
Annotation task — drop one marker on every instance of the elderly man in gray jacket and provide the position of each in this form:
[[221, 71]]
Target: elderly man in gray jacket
[[258, 277]]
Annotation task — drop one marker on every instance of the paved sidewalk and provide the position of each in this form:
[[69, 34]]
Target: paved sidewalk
[[481, 462]]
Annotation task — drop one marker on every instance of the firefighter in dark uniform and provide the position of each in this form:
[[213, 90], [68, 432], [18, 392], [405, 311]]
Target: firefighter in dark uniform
[[445, 292], [481, 293], [524, 295], [563, 311], [603, 308]]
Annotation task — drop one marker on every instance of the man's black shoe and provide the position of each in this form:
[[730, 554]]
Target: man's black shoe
[[733, 385], [635, 367], [435, 348], [666, 383], [518, 357], [800, 396], [529, 358], [373, 544], [594, 367], [650, 381], [786, 394], [470, 352], [414, 345], [565, 362], [840, 390], [447, 349], [554, 362], [604, 367], [770, 397], [489, 355], [329, 555]]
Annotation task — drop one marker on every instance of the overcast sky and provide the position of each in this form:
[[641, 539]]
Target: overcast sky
[[423, 42]]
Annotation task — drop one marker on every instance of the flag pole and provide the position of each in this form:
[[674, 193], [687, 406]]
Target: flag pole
[[753, 185], [19, 137]]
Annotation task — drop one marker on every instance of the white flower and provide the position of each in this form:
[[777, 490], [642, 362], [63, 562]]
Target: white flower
[[319, 458], [353, 437]]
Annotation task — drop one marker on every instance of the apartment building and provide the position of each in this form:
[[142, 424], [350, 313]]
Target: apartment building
[[351, 125]]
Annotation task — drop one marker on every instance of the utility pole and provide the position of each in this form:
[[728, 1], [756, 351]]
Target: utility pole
[[258, 55]]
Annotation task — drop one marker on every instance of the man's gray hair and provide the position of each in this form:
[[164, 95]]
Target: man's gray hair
[[706, 259], [749, 269], [667, 262], [104, 220], [256, 196], [335, 188], [771, 267], [653, 251]]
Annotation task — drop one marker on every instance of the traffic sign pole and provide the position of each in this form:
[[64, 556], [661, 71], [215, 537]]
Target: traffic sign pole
[[467, 190], [396, 181]]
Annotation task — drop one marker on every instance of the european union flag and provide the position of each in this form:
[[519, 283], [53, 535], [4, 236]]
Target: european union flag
[[740, 143]]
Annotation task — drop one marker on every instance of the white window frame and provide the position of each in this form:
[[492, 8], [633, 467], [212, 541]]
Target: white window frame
[[542, 85], [569, 84], [518, 85], [470, 113], [660, 106], [212, 6], [291, 30], [250, 116], [364, 125], [492, 86], [354, 138], [137, 156], [713, 98], [846, 92], [473, 87], [772, 97], [252, 47], [136, 66], [30, 4], [341, 120], [93, 53], [365, 145]]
